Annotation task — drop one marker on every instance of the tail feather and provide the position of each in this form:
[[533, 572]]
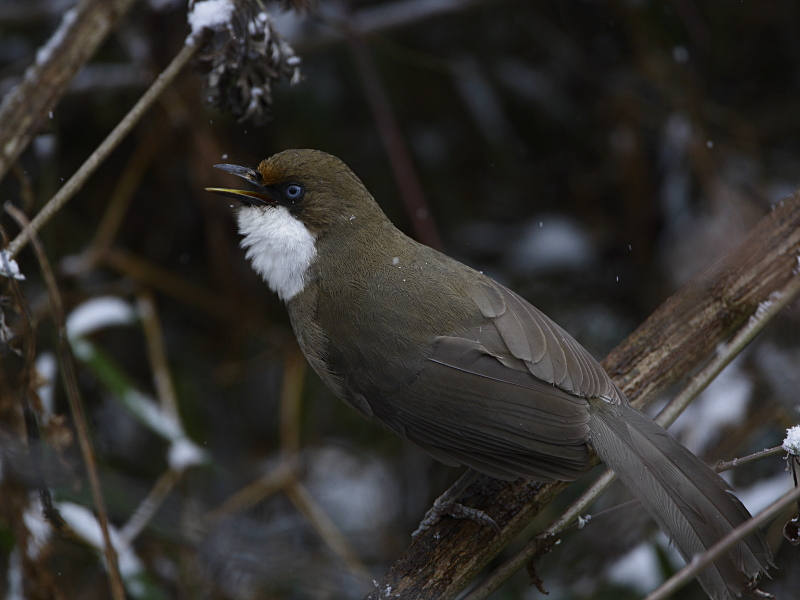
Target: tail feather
[[689, 501]]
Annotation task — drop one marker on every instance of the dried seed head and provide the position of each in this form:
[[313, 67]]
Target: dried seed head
[[243, 58]]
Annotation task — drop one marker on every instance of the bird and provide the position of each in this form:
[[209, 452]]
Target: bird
[[460, 365]]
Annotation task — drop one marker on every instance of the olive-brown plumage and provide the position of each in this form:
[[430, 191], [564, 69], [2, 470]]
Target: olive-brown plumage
[[460, 365]]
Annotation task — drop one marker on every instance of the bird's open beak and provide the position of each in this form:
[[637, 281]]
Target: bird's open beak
[[259, 197]]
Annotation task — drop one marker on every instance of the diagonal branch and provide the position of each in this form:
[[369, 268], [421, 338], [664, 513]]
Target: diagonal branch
[[677, 338], [71, 187], [700, 562]]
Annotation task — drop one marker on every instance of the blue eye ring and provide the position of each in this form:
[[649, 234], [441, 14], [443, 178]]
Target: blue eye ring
[[293, 191]]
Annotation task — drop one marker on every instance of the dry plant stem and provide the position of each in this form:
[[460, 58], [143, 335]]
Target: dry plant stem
[[168, 283], [148, 508], [384, 17], [746, 460], [73, 397], [302, 499], [156, 354], [26, 193], [405, 174], [123, 193], [294, 372], [71, 187], [727, 352], [700, 562], [542, 543], [720, 467], [677, 338], [27, 106], [253, 493]]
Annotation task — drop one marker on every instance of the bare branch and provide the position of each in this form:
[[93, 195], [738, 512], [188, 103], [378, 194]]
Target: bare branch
[[75, 182], [24, 110], [405, 174], [320, 520], [700, 562]]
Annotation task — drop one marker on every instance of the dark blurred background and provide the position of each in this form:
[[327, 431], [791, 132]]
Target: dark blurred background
[[592, 155]]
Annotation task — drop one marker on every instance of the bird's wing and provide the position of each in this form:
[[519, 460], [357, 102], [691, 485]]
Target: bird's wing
[[507, 394], [466, 406], [547, 351]]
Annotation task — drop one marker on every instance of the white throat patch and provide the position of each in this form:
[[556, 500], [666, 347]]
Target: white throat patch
[[279, 247]]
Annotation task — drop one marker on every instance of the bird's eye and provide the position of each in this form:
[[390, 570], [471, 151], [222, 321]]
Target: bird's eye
[[293, 191]]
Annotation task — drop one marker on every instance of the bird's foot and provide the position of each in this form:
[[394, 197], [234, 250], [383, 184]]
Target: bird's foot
[[446, 505], [449, 507]]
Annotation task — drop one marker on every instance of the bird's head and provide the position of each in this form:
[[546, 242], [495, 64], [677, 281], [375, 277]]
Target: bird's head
[[304, 203], [315, 188]]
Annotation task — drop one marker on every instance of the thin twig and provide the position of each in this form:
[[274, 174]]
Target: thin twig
[[148, 507], [170, 284], [701, 561], [73, 397], [120, 199], [405, 174], [71, 187], [157, 355], [26, 193], [294, 371], [334, 538], [746, 460], [720, 467], [727, 352], [379, 18], [253, 493]]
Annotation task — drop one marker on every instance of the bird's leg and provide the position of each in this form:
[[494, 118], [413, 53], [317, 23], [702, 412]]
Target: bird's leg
[[446, 505]]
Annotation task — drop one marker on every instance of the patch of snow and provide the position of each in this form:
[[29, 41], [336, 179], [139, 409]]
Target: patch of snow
[[356, 491], [44, 144], [792, 442], [680, 54], [98, 313], [47, 367], [184, 453], [83, 349], [639, 569], [552, 243], [57, 39], [14, 590], [9, 267], [779, 366], [85, 525], [208, 15], [39, 529], [149, 412]]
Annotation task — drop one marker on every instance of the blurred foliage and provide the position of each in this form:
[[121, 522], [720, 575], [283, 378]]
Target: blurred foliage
[[591, 154]]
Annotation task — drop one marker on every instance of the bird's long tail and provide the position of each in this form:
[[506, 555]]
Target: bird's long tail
[[689, 501]]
